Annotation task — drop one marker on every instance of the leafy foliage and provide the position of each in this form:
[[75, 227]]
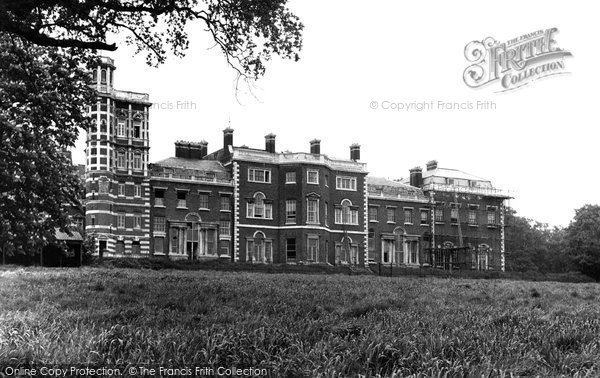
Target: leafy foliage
[[42, 96], [534, 246], [247, 31], [583, 240]]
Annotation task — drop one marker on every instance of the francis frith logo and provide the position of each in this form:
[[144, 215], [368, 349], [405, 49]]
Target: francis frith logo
[[515, 63]]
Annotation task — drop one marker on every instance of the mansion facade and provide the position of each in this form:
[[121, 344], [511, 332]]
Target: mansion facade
[[263, 206]]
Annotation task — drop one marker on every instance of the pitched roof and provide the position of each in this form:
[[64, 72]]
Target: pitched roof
[[196, 164], [452, 173], [391, 189], [74, 236]]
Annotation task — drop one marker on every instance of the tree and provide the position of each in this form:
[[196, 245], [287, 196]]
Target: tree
[[534, 246], [583, 240], [247, 31], [43, 93]]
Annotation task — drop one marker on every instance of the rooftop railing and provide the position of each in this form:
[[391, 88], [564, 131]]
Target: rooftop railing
[[491, 192], [298, 157], [207, 179]]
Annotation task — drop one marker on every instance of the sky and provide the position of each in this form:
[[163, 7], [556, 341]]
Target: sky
[[536, 142]]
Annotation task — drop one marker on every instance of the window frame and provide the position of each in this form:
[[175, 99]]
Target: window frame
[[289, 217], [339, 180], [287, 177], [315, 212], [266, 174], [308, 173]]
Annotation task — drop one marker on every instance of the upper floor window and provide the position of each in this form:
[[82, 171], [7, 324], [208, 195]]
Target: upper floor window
[[121, 190], [159, 224], [345, 183], [290, 177], [103, 187], [408, 216], [257, 208], [137, 191], [472, 217], [120, 159], [137, 129], [424, 216], [224, 228], [391, 215], [491, 217], [121, 128], [259, 175], [103, 76], [181, 199], [121, 220], [290, 211], [137, 222], [312, 211], [203, 200], [373, 213], [346, 214], [439, 215], [454, 215], [225, 203], [159, 195], [137, 160], [312, 177]]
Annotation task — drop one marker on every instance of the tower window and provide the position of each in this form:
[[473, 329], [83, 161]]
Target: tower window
[[137, 129]]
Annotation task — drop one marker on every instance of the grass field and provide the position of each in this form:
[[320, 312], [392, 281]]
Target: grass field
[[300, 324]]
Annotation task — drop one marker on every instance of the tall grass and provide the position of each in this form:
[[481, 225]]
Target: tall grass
[[299, 324]]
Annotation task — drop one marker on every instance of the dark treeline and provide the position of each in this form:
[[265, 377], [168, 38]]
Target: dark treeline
[[534, 246]]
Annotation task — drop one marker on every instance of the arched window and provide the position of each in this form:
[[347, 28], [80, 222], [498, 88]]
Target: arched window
[[259, 248], [346, 214], [257, 208], [103, 76]]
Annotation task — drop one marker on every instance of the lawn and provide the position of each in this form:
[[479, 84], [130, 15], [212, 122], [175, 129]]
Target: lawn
[[300, 324]]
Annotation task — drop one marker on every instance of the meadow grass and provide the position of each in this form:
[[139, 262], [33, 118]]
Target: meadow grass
[[300, 324]]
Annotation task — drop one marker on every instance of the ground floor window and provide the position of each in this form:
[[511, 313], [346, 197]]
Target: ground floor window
[[412, 247], [158, 245], [120, 247], [312, 248], [387, 251], [290, 248], [259, 249]]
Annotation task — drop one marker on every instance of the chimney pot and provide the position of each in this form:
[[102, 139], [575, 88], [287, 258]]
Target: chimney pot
[[416, 177], [355, 152], [270, 143], [315, 146], [203, 148], [227, 137], [431, 165]]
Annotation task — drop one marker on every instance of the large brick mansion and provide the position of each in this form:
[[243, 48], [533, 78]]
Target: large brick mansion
[[260, 205]]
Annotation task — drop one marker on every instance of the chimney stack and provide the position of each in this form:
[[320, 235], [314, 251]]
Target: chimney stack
[[270, 143], [431, 165], [416, 177], [315, 146], [355, 152], [203, 149], [227, 138], [195, 151], [182, 149]]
